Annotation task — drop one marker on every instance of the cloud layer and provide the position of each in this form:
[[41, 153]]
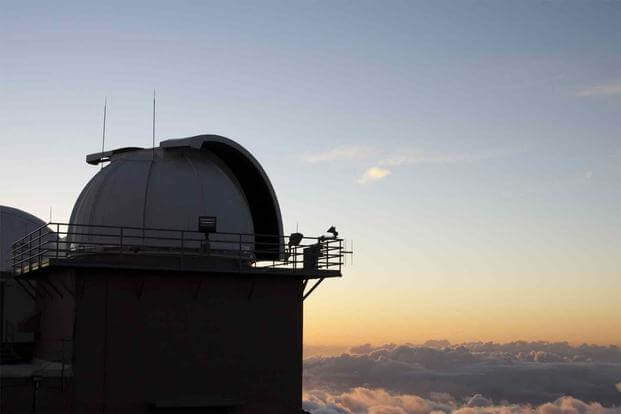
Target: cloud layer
[[519, 373], [378, 401]]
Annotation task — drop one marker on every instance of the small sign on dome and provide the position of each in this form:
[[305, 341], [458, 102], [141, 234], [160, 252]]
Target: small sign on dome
[[207, 224]]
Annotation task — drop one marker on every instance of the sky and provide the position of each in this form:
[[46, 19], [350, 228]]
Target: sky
[[470, 150]]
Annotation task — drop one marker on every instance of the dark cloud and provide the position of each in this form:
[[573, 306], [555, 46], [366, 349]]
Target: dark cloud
[[367, 348], [519, 373], [323, 350], [477, 400], [434, 343]]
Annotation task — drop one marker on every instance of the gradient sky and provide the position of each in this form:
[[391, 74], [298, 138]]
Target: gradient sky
[[471, 149]]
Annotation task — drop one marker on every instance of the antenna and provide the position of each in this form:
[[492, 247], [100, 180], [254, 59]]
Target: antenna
[[103, 135], [153, 136]]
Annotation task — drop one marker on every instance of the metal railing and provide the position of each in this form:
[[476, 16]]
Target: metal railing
[[62, 241]]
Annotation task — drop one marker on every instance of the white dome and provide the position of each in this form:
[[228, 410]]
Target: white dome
[[171, 186], [14, 224], [170, 192]]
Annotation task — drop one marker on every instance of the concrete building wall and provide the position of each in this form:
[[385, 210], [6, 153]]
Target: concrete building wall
[[142, 337], [17, 307], [54, 342]]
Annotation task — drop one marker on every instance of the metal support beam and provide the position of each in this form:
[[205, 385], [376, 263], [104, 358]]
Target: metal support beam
[[53, 287], [251, 291], [60, 280], [304, 283], [32, 295], [198, 288], [313, 288], [47, 292], [140, 289], [2, 282], [34, 288], [80, 286]]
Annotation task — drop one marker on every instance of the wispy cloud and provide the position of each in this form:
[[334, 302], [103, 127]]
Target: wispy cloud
[[388, 160], [341, 153], [612, 88], [373, 174], [403, 156], [435, 157]]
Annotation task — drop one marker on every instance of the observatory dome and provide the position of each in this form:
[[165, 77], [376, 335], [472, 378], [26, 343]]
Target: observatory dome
[[14, 224], [170, 186]]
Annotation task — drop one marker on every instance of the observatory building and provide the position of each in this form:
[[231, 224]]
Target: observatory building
[[16, 307], [172, 288]]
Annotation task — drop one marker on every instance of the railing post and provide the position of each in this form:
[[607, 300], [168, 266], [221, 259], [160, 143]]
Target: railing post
[[21, 256], [240, 253], [57, 239], [30, 252], [62, 369], [13, 258], [39, 249], [35, 386], [121, 246], [182, 248]]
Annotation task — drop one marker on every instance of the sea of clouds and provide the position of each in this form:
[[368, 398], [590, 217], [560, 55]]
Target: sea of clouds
[[517, 377]]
